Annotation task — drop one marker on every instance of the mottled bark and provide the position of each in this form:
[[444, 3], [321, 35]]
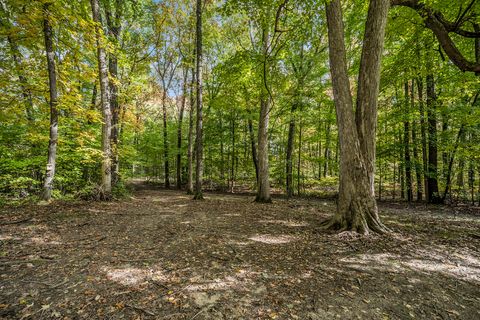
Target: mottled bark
[[114, 29], [106, 174], [52, 84], [199, 87], [263, 191], [356, 206]]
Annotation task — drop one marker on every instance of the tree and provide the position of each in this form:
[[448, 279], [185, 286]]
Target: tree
[[106, 173], [199, 86], [356, 208], [52, 84]]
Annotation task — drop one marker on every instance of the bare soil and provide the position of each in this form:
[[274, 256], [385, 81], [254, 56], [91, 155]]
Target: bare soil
[[161, 255]]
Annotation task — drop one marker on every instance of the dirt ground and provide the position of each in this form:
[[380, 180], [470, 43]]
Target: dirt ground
[[160, 255]]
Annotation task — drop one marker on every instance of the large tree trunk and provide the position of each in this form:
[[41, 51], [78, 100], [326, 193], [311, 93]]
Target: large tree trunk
[[114, 28], [199, 86], [356, 207], [52, 81], [263, 191], [105, 105], [190, 135], [432, 189]]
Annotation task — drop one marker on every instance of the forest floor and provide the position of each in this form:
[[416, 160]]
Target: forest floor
[[160, 255]]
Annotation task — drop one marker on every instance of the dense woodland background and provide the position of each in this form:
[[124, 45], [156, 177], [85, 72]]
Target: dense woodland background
[[429, 110]]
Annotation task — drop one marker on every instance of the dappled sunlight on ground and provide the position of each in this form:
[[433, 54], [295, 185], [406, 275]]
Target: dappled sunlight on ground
[[457, 264], [129, 276], [265, 238]]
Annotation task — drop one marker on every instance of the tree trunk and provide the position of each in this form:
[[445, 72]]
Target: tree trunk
[[179, 130], [432, 189], [52, 81], [406, 145], [299, 158], [416, 160], [423, 132], [232, 169], [190, 136], [114, 28], [166, 163], [356, 207], [254, 148], [105, 103], [263, 191], [326, 156], [199, 87], [290, 146]]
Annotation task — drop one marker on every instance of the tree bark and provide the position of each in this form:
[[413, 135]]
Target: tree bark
[[423, 132], [179, 130], [52, 81], [290, 146], [106, 173], [263, 191], [190, 135], [253, 147], [166, 163], [416, 160], [199, 87], [114, 29], [356, 207], [406, 146], [432, 189]]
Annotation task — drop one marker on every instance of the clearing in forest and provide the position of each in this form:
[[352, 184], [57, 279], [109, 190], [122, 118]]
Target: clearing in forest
[[160, 255]]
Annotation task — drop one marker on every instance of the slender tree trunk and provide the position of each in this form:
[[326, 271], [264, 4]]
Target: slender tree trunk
[[52, 81], [179, 130], [114, 28], [432, 195], [423, 132], [190, 136], [357, 208], [416, 160], [406, 145], [232, 169], [326, 156], [299, 158], [254, 148], [199, 87], [263, 191], [290, 146], [166, 163], [105, 103]]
